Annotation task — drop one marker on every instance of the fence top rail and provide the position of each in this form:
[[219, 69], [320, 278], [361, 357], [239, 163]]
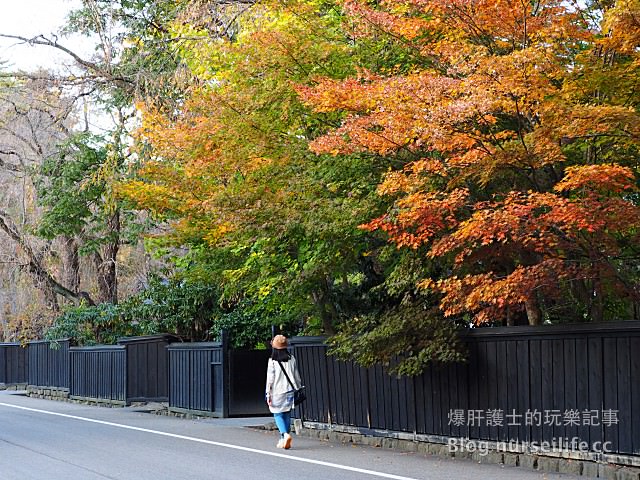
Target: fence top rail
[[58, 340], [195, 346], [10, 344], [161, 337], [98, 348], [605, 328], [524, 331], [307, 340]]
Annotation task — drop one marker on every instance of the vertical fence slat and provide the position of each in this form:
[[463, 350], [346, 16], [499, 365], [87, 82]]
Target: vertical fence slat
[[497, 375], [524, 388], [634, 348], [535, 384], [624, 381], [610, 389], [581, 373]]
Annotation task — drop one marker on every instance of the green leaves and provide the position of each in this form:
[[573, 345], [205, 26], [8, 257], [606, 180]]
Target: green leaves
[[406, 339], [66, 189], [184, 308]]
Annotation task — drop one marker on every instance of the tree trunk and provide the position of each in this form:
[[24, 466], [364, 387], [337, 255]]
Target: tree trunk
[[534, 315], [597, 305], [106, 264], [70, 264], [509, 320], [326, 310], [50, 297]]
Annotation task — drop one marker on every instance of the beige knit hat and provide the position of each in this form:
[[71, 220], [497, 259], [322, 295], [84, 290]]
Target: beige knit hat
[[279, 342]]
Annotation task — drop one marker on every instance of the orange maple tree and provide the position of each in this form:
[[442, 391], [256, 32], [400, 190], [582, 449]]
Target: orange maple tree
[[206, 162], [520, 124]]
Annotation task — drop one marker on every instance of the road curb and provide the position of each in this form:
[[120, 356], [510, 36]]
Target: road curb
[[547, 464]]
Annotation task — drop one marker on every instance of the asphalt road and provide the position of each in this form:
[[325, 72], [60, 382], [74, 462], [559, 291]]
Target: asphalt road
[[47, 440]]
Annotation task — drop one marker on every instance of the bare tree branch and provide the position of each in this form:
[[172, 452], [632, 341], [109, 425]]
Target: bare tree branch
[[35, 267], [10, 166], [95, 68]]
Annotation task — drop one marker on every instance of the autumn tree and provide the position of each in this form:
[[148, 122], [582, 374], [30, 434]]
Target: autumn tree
[[231, 173], [520, 128]]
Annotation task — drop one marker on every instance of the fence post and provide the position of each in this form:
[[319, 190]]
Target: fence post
[[226, 359], [3, 364]]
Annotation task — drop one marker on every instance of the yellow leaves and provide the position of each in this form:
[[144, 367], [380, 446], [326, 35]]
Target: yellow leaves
[[545, 151], [393, 183], [621, 25], [582, 121], [157, 198], [414, 111], [414, 177], [354, 94], [213, 235]]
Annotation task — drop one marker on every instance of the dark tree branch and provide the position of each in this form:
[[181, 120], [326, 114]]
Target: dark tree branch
[[35, 267]]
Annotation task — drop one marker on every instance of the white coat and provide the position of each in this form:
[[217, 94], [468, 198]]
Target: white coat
[[278, 388]]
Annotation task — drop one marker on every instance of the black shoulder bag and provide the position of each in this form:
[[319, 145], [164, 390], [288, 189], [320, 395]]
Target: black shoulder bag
[[299, 394]]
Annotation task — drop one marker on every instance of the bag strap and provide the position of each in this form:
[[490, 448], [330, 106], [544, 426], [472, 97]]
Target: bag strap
[[286, 375]]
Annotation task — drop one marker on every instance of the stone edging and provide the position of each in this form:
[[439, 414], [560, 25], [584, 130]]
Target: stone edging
[[13, 386], [62, 395]]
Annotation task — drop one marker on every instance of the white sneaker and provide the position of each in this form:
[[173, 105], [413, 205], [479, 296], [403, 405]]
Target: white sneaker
[[280, 443], [287, 441]]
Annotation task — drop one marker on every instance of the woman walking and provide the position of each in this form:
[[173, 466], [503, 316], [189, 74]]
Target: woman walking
[[279, 391]]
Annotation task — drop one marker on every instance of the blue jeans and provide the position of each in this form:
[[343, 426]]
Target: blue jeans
[[283, 422]]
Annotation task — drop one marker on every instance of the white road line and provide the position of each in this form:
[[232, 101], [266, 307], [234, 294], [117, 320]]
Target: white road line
[[217, 444]]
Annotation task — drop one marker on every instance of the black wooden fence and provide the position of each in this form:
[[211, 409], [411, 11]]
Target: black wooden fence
[[49, 364], [99, 372], [137, 370], [196, 377], [526, 384], [14, 364]]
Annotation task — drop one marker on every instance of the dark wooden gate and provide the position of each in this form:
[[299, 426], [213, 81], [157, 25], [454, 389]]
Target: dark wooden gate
[[197, 377], [147, 367], [209, 379]]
